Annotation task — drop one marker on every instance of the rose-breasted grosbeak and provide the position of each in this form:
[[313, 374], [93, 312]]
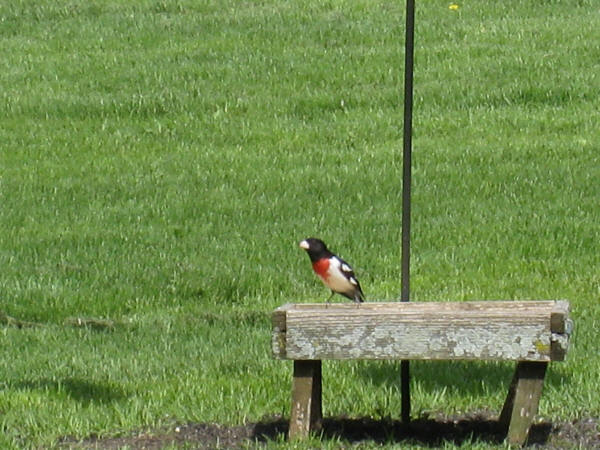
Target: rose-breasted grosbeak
[[333, 271]]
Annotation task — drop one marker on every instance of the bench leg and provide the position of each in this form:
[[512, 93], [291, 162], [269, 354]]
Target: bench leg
[[523, 400], [306, 399]]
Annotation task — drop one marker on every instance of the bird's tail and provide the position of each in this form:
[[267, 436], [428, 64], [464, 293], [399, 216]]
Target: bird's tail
[[359, 297]]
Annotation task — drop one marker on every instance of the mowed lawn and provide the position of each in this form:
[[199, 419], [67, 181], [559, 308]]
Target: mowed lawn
[[160, 161]]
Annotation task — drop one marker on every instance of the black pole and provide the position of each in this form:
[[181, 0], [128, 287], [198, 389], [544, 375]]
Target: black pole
[[409, 47]]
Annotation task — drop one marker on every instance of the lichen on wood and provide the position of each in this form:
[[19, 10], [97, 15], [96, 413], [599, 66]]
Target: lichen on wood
[[498, 330]]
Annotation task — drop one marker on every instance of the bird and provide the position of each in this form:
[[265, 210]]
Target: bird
[[333, 271]]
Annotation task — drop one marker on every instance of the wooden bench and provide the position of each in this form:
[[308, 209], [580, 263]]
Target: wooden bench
[[532, 333]]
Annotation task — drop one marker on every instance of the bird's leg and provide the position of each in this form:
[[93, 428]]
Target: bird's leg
[[329, 298]]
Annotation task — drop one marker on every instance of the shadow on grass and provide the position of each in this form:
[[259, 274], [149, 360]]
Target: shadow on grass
[[83, 391], [469, 378], [474, 378], [429, 432]]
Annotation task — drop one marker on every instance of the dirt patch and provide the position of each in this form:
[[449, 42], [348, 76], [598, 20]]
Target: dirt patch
[[426, 431]]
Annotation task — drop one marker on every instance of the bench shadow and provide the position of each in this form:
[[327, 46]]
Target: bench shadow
[[472, 378], [469, 377], [424, 431]]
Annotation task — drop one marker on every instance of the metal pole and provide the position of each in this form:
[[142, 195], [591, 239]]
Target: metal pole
[[406, 181]]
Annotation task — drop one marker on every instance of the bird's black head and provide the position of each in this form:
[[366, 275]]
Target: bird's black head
[[315, 248]]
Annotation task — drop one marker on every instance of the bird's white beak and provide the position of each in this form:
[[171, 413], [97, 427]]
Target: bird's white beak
[[304, 245]]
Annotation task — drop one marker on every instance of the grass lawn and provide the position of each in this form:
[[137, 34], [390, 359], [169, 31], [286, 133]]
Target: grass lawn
[[160, 160]]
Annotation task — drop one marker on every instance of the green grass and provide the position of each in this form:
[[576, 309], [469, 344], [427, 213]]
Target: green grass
[[161, 160]]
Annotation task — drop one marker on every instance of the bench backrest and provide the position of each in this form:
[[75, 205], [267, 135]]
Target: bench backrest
[[485, 330]]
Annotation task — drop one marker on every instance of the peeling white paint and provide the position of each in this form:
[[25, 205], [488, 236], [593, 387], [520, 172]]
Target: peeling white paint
[[390, 342], [483, 330]]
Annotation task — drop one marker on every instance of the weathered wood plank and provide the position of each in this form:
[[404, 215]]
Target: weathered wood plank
[[307, 410], [559, 344], [559, 317], [278, 320], [425, 306], [523, 400], [492, 330]]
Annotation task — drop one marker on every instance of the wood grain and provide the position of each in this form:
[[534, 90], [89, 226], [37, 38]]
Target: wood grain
[[523, 399], [307, 413], [488, 330]]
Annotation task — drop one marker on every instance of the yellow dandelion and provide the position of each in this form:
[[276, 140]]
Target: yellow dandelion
[[453, 6]]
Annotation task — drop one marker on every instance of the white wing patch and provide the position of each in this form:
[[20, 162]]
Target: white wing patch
[[349, 273]]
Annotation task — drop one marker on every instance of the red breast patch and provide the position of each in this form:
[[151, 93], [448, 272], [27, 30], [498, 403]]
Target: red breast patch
[[321, 267]]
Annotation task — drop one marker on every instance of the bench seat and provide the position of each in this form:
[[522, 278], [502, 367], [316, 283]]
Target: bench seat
[[531, 333]]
